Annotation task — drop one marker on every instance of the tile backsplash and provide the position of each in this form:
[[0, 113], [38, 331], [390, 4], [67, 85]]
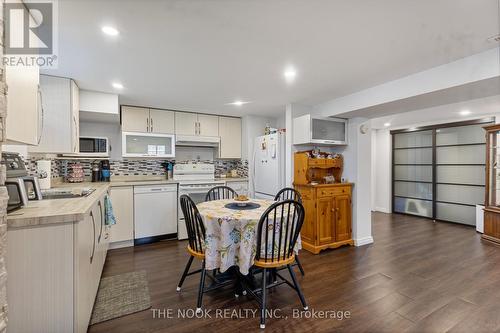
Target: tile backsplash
[[134, 167]]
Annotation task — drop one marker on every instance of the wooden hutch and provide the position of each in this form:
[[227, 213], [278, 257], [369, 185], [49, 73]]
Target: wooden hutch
[[327, 201], [492, 181]]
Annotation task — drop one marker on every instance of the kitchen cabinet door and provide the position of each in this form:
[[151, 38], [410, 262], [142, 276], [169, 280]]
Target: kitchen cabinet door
[[162, 121], [83, 276], [60, 124], [24, 121], [75, 116], [186, 123], [230, 137], [122, 199], [135, 119], [326, 225], [208, 125], [342, 217]]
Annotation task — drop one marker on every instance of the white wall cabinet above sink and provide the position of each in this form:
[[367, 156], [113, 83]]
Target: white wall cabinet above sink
[[159, 145], [61, 121], [137, 119]]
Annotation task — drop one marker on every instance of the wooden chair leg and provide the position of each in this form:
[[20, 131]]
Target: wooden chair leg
[[186, 271], [263, 303], [202, 287], [297, 287], [299, 265]]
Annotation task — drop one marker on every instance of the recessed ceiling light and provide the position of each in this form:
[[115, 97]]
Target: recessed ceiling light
[[465, 112], [290, 74], [117, 85], [237, 103], [110, 30], [387, 124]]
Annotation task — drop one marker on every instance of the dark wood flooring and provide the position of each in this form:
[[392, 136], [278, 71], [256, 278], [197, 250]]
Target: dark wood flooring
[[418, 276]]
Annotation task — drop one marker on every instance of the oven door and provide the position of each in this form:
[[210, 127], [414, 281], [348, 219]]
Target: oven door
[[197, 193]]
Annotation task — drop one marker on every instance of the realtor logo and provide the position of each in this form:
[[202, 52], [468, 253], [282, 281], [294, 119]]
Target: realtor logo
[[30, 33]]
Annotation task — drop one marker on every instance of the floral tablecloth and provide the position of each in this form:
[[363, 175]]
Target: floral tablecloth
[[231, 234]]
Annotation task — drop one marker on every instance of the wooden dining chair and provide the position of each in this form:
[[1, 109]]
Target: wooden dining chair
[[289, 193], [220, 192], [277, 234], [195, 248]]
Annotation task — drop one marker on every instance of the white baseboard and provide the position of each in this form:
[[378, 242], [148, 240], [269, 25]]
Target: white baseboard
[[383, 210], [118, 245], [363, 241]]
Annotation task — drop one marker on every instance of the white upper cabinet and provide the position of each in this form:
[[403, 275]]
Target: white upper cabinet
[[186, 123], [161, 121], [60, 120], [230, 137], [208, 125], [24, 121], [136, 119]]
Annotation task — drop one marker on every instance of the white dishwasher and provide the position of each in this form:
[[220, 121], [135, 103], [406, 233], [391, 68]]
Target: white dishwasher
[[155, 213]]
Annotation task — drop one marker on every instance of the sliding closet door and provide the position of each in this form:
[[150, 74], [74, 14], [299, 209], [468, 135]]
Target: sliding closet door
[[460, 165], [412, 173]]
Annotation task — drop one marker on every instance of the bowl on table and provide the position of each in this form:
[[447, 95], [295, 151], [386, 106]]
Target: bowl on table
[[241, 200]]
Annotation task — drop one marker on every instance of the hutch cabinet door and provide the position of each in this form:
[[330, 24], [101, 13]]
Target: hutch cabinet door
[[342, 204], [326, 225], [308, 232]]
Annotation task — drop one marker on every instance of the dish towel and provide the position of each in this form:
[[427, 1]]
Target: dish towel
[[108, 211]]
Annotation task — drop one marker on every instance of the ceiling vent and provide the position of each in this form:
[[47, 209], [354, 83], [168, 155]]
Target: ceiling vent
[[494, 39]]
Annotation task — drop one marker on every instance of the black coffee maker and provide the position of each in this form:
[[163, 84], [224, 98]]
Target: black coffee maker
[[105, 171], [96, 171]]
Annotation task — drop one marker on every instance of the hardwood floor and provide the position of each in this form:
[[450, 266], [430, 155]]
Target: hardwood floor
[[418, 276]]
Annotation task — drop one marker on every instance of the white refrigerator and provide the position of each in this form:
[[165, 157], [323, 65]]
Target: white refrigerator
[[269, 165]]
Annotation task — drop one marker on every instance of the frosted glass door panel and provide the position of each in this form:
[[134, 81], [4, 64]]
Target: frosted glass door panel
[[413, 156], [328, 130], [460, 174], [460, 135], [467, 195], [413, 190], [461, 155], [421, 173], [414, 139], [413, 206], [456, 213]]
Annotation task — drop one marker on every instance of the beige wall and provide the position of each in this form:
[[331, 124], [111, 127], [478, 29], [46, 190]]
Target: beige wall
[[3, 192]]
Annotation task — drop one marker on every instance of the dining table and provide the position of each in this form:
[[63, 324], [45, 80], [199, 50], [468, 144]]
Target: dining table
[[231, 233]]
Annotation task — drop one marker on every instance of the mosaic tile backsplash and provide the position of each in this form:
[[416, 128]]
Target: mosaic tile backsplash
[[134, 167]]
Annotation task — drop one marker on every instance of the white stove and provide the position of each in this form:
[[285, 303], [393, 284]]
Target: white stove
[[195, 180]]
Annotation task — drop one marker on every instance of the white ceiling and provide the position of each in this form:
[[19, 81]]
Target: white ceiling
[[199, 55]]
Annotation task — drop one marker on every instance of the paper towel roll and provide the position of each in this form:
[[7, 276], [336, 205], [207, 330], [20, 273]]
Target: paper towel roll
[[44, 173]]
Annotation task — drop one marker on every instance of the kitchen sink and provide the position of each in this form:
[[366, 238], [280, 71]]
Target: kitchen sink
[[66, 194]]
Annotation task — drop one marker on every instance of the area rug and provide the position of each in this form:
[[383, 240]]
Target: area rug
[[120, 295]]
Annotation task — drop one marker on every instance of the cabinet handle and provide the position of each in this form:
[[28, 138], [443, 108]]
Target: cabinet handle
[[147, 124], [41, 116], [93, 237], [76, 136], [199, 128], [102, 222], [152, 130]]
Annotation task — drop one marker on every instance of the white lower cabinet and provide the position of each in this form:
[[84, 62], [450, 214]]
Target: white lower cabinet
[[123, 208], [54, 273]]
